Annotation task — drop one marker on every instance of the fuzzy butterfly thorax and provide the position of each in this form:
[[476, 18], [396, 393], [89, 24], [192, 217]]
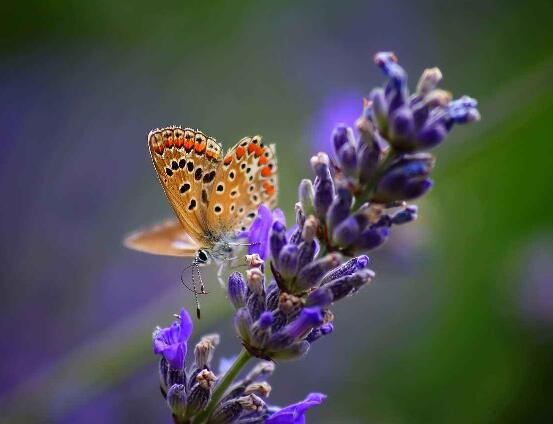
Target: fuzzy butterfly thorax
[[214, 196]]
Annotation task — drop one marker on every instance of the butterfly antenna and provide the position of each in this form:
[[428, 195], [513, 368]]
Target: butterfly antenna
[[184, 283], [255, 243]]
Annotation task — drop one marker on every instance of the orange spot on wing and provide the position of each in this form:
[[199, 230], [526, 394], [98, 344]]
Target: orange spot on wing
[[251, 147], [199, 147], [159, 149], [263, 160], [269, 188], [258, 151], [240, 152], [266, 171], [188, 144], [228, 160], [169, 143], [179, 143], [211, 154]]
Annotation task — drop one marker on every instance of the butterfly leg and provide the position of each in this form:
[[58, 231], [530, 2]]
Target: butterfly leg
[[198, 314], [202, 287], [220, 269]]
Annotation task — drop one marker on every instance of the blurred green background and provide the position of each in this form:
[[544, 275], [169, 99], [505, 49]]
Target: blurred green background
[[456, 328]]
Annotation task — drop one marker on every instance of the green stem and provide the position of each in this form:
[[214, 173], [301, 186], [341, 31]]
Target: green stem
[[223, 385]]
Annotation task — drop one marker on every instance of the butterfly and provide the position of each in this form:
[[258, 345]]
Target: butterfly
[[214, 196]]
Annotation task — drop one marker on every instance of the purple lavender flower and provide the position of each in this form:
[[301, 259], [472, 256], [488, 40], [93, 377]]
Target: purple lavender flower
[[295, 413], [258, 233], [171, 342]]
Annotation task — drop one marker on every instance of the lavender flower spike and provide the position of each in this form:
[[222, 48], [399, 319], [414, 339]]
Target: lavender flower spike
[[346, 210]]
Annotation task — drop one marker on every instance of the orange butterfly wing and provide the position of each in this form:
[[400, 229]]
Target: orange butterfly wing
[[246, 178], [186, 162]]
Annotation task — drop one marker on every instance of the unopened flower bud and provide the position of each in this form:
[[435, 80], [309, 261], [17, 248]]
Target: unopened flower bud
[[306, 253], [262, 389], [261, 329], [252, 402], [310, 228], [176, 399], [306, 195], [242, 323], [306, 320], [347, 232], [406, 179], [254, 261], [463, 110], [319, 332], [203, 351], [236, 289], [347, 159], [402, 126], [277, 240], [324, 187], [255, 278], [348, 268], [320, 163], [229, 411], [288, 261], [379, 108], [406, 215], [297, 235], [262, 371], [200, 393], [370, 154], [431, 135], [371, 238], [310, 274], [339, 209], [273, 293], [344, 286], [428, 81], [341, 136]]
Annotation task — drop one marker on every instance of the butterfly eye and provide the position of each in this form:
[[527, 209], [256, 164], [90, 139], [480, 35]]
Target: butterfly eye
[[202, 256]]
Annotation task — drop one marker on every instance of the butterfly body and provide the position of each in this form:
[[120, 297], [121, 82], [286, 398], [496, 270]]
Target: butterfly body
[[213, 195]]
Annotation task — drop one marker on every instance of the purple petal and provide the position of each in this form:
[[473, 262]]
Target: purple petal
[[171, 342], [174, 354], [259, 232], [185, 325], [295, 413]]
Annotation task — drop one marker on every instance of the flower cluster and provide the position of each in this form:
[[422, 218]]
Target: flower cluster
[[275, 323], [347, 210], [188, 391], [358, 196]]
